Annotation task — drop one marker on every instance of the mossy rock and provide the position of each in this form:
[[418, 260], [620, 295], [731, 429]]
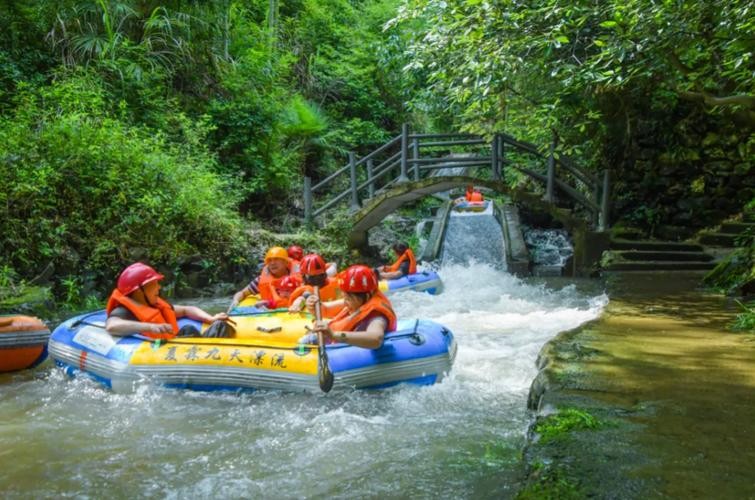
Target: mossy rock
[[31, 300]]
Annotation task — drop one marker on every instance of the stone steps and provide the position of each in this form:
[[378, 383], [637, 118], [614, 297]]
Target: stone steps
[[644, 255], [646, 245], [737, 227], [718, 239], [661, 265], [657, 256]]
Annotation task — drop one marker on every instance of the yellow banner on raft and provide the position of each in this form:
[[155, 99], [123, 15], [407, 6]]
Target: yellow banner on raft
[[258, 356], [283, 327]]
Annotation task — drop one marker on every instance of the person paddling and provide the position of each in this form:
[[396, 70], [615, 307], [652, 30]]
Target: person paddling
[[405, 264], [362, 317], [135, 306], [314, 274]]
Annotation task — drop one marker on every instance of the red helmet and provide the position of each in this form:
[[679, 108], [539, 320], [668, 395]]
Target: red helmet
[[313, 264], [295, 252], [288, 283], [358, 279], [136, 275]]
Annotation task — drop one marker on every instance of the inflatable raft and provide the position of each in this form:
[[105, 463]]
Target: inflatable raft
[[23, 342], [425, 281], [471, 206], [264, 354]]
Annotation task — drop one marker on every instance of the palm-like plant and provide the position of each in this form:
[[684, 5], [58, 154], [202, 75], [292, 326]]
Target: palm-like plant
[[306, 128], [117, 36]]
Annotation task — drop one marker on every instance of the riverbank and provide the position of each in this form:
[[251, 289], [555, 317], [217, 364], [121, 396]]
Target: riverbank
[[653, 399]]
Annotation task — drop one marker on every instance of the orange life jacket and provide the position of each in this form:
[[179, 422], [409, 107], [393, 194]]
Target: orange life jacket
[[328, 292], [408, 255], [161, 313], [294, 266], [476, 197], [378, 303], [265, 285]]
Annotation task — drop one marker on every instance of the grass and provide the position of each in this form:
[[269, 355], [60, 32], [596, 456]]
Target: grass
[[566, 420]]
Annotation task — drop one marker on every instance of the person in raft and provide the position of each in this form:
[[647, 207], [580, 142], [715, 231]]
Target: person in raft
[[405, 264], [295, 254], [471, 195], [281, 292], [135, 306], [276, 267], [314, 273], [361, 318]]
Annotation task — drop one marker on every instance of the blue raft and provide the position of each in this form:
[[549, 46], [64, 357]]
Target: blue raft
[[424, 281], [420, 352]]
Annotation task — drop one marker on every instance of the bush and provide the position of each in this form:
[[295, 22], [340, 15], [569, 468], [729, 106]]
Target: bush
[[89, 193]]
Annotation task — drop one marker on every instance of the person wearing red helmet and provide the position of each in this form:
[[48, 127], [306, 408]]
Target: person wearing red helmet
[[364, 314], [295, 254], [405, 263], [281, 290], [314, 271], [135, 306]]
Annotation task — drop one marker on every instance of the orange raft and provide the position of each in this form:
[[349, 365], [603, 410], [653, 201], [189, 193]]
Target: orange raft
[[23, 342]]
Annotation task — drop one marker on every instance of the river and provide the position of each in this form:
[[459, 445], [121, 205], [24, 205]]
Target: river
[[461, 438]]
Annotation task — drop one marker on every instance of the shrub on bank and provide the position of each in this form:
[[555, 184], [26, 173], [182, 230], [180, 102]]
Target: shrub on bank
[[88, 193]]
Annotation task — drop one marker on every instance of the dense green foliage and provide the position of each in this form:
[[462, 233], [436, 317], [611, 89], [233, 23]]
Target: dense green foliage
[[660, 92], [158, 130]]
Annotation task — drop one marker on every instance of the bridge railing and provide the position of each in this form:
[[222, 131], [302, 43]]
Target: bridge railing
[[416, 156]]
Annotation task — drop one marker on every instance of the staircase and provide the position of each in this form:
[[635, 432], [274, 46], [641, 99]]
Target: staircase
[[728, 233], [639, 255], [629, 255]]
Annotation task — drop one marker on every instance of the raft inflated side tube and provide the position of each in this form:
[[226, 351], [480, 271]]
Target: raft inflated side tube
[[23, 342], [423, 281]]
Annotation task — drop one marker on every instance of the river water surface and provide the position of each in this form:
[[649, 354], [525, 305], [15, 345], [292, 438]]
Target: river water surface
[[458, 439]]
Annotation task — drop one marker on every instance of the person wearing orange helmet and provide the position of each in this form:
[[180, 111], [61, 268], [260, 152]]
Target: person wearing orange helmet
[[135, 306], [276, 267], [405, 263], [314, 272], [362, 317]]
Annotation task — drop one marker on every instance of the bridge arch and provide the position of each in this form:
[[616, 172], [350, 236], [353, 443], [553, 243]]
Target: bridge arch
[[588, 245]]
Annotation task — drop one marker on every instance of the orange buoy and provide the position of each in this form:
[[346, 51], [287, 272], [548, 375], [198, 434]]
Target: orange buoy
[[23, 342]]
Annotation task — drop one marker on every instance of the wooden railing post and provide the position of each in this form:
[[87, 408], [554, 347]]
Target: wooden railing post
[[502, 157], [551, 172], [403, 177], [603, 224], [494, 158], [415, 156], [371, 185], [353, 172], [308, 219], [596, 200]]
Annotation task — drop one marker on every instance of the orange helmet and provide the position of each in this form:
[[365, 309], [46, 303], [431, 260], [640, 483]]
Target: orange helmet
[[288, 283], [313, 264], [276, 253], [358, 279], [136, 275], [295, 252]]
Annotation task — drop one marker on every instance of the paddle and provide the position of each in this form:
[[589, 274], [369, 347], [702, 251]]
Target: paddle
[[324, 374]]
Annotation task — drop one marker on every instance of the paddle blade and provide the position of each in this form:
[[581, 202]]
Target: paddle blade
[[324, 374]]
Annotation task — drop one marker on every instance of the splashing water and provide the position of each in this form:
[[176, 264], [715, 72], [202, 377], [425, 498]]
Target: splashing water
[[550, 247], [460, 438]]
